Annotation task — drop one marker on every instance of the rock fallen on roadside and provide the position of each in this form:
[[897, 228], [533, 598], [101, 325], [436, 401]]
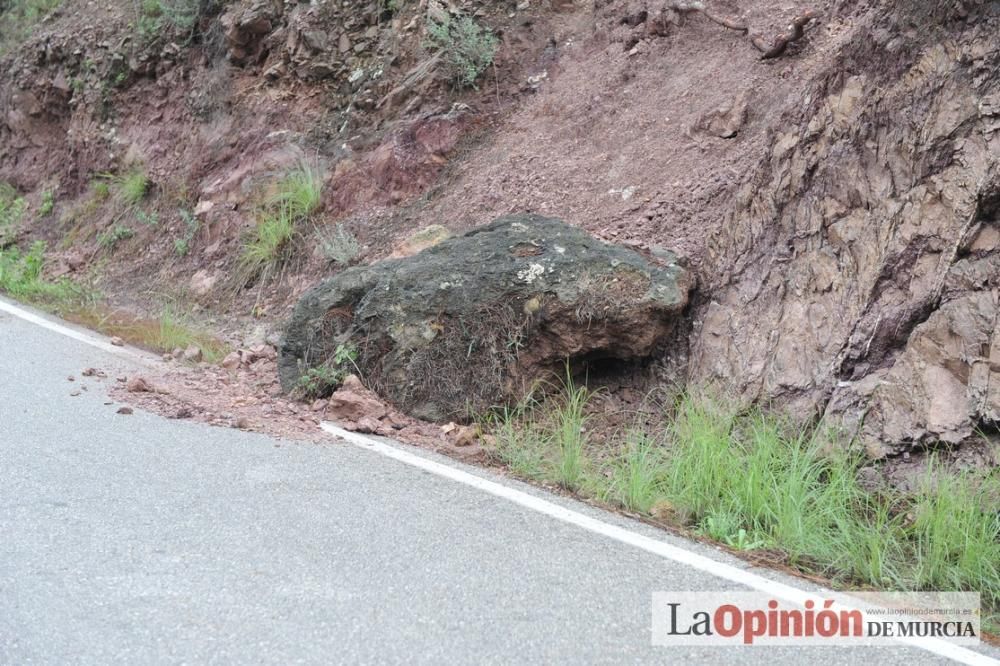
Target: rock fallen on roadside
[[476, 319]]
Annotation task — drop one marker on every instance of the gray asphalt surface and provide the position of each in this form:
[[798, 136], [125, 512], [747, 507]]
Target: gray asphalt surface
[[141, 540]]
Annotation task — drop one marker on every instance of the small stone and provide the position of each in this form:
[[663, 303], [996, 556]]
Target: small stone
[[138, 385], [74, 394], [232, 361], [320, 405], [466, 435], [192, 354], [203, 207], [117, 342], [125, 410], [366, 425], [241, 422], [71, 378], [183, 413], [167, 357], [202, 282], [178, 353], [264, 351], [93, 372]]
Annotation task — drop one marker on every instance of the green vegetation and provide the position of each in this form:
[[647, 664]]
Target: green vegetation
[[546, 445], [18, 17], [175, 332], [297, 196], [12, 209], [109, 239], [100, 190], [159, 19], [466, 47], [321, 381], [21, 278], [147, 219], [338, 245], [182, 245], [48, 203], [753, 481], [131, 187]]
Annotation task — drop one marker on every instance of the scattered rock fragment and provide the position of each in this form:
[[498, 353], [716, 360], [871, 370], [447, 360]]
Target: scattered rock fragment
[[117, 342], [138, 385], [93, 372], [125, 411], [182, 413], [192, 354], [232, 361], [465, 436], [353, 402]]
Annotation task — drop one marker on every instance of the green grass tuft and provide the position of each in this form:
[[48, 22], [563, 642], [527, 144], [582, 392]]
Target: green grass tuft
[[132, 187], [21, 278], [298, 195], [752, 481], [173, 331]]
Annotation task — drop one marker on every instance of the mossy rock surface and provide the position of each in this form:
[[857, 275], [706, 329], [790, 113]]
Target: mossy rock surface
[[473, 321]]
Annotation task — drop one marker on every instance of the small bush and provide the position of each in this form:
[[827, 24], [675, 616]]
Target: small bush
[[147, 219], [109, 239], [47, 205], [12, 208], [338, 245], [182, 245], [157, 20], [466, 47], [321, 381]]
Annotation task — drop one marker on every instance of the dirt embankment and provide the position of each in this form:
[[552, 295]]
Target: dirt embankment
[[838, 203]]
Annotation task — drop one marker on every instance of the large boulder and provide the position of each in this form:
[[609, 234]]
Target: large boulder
[[474, 320]]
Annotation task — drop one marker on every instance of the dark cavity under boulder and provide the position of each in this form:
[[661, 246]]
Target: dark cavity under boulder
[[473, 321]]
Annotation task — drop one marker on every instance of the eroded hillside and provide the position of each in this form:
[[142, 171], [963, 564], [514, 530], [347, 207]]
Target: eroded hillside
[[836, 203]]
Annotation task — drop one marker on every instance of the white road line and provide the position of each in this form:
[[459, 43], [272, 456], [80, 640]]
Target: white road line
[[92, 339], [662, 548]]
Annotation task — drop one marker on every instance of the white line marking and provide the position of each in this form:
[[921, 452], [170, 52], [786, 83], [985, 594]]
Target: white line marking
[[93, 340], [661, 548]]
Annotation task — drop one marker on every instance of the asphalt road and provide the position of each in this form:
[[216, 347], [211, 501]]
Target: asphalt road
[[141, 540]]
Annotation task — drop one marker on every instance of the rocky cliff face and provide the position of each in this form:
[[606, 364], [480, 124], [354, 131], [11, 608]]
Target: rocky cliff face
[[857, 274]]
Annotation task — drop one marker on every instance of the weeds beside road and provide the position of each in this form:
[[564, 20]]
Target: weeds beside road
[[755, 482]]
